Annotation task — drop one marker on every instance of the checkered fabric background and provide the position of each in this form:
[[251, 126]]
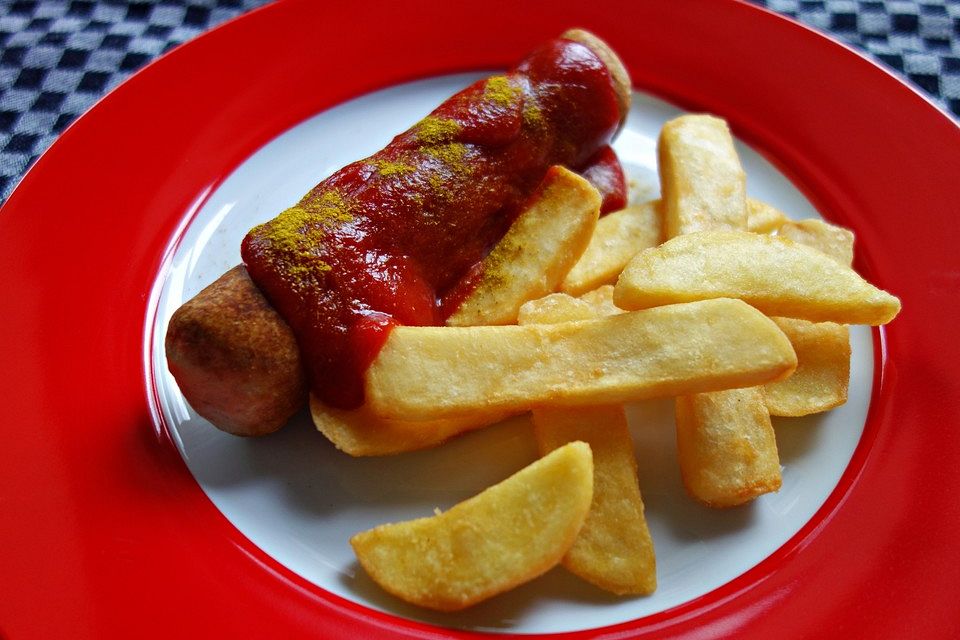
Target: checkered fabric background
[[58, 57]]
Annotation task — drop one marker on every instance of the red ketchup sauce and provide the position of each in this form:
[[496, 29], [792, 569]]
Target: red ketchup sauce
[[383, 240]]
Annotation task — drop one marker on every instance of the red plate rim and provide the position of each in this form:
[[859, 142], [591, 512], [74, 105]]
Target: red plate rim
[[107, 523]]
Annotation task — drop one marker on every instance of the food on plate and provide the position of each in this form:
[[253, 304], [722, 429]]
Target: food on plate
[[823, 348], [613, 550], [622, 234], [823, 369], [832, 240], [464, 274], [235, 358], [384, 240], [777, 276], [726, 446], [436, 372], [509, 534], [762, 217], [702, 183], [617, 238], [540, 247], [556, 305], [360, 432]]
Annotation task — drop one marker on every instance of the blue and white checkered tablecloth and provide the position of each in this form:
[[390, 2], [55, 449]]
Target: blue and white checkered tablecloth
[[57, 57]]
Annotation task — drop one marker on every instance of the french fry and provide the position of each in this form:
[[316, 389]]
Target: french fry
[[536, 253], [601, 301], [509, 534], [614, 550], [777, 276], [711, 427], [551, 230], [726, 447], [702, 183], [832, 240], [823, 349], [823, 369], [358, 432], [560, 307], [617, 238], [433, 372], [545, 310], [762, 217]]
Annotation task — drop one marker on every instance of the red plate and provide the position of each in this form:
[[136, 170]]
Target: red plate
[[104, 532]]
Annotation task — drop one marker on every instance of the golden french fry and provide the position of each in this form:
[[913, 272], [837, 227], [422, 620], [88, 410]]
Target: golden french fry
[[702, 183], [777, 276], [358, 432], [832, 240], [545, 310], [432, 372], [823, 369], [536, 253], [507, 535], [601, 301], [726, 447], [823, 349], [614, 550], [704, 186], [762, 217], [617, 238]]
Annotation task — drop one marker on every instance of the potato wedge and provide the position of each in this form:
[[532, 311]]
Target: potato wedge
[[601, 301], [502, 537], [777, 276], [614, 550], [560, 307], [702, 183], [432, 372], [727, 447], [823, 369], [556, 305], [832, 240], [762, 217], [358, 432], [538, 250], [617, 238], [822, 377]]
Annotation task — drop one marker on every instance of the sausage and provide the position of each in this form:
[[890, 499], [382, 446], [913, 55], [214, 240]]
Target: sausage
[[235, 358]]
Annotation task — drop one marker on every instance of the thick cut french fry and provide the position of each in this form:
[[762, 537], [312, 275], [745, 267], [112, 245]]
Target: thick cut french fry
[[560, 307], [702, 183], [726, 447], [507, 535], [715, 201], [614, 550], [762, 217], [823, 349], [432, 372], [832, 240], [622, 234], [777, 276], [601, 301], [556, 305], [617, 238], [358, 432], [536, 253], [823, 369]]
